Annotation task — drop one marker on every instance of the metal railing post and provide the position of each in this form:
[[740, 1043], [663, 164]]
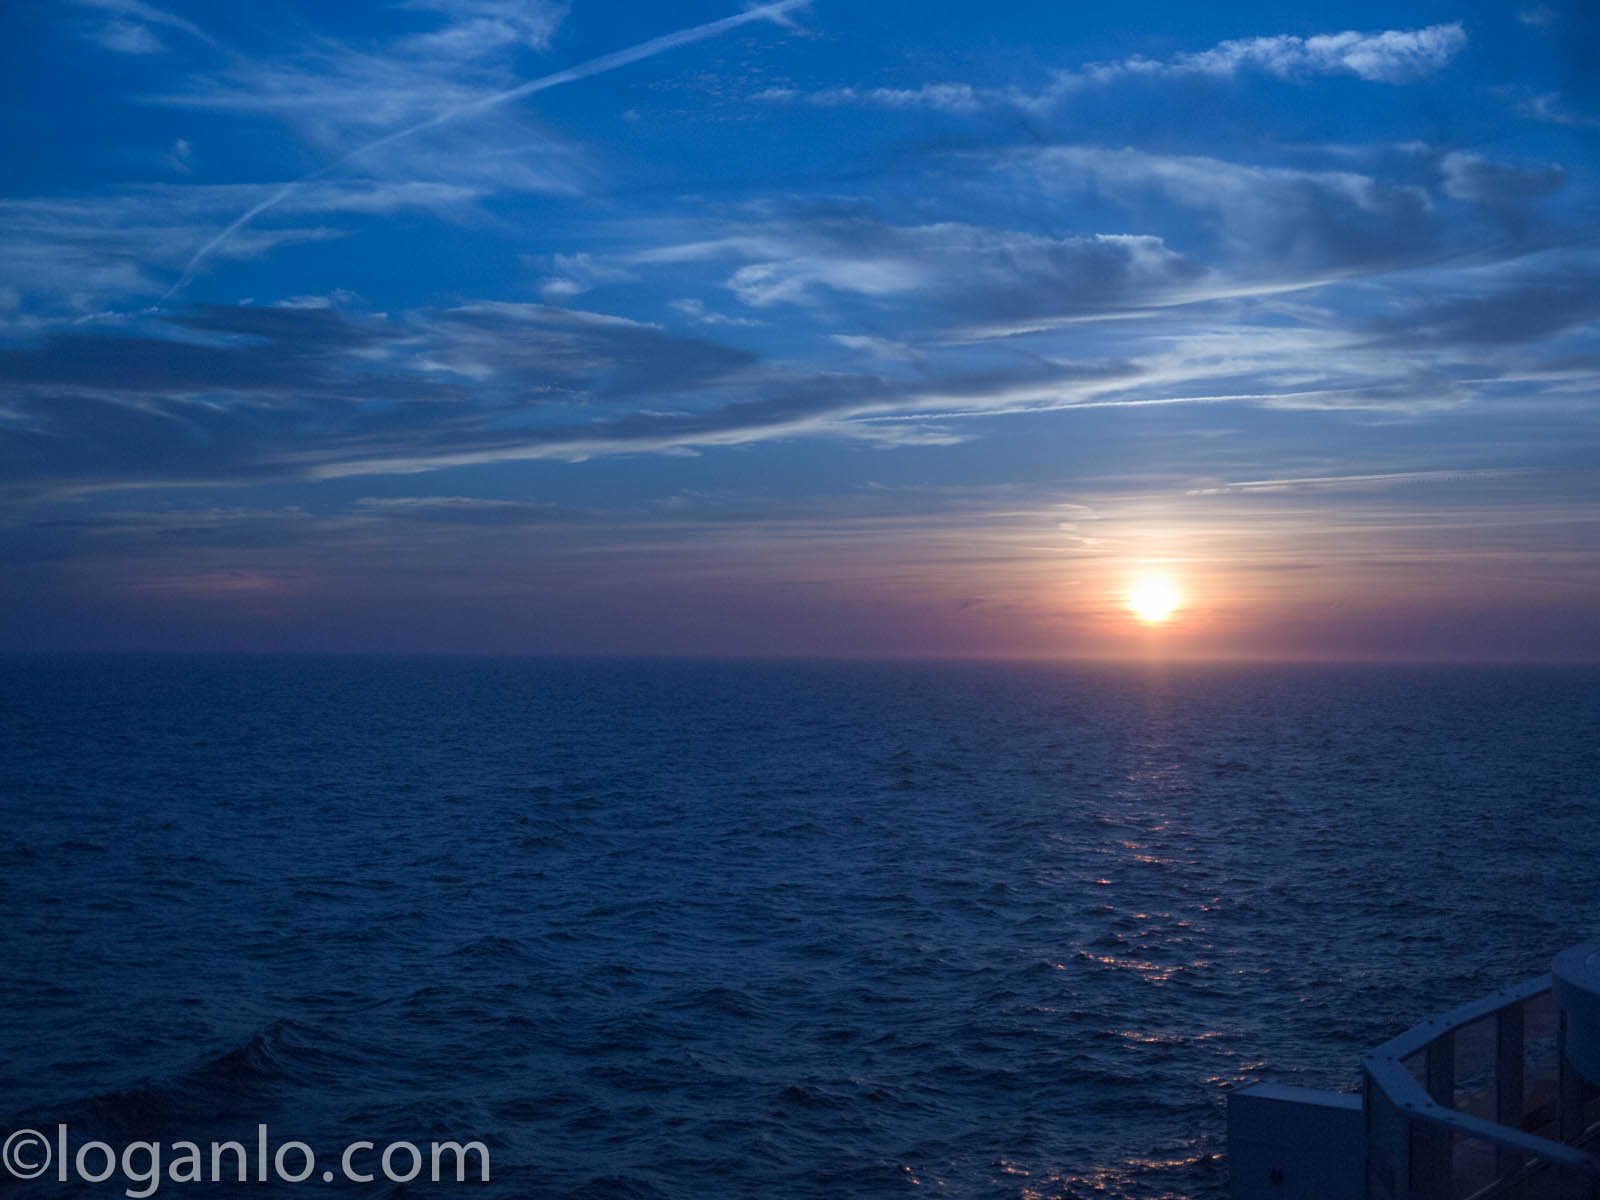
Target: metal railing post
[[1569, 1090], [1432, 1174]]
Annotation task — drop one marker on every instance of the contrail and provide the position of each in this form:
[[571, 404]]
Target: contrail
[[595, 66]]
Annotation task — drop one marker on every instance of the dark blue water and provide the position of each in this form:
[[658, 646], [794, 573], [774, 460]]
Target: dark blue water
[[703, 930]]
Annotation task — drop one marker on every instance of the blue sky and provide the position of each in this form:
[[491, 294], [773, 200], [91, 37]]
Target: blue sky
[[804, 328]]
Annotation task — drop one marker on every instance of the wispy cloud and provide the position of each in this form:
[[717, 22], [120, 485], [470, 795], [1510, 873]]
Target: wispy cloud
[[1392, 56], [1546, 296], [1387, 479], [811, 258], [470, 510], [128, 37], [238, 392], [1478, 179], [309, 391], [574, 274], [696, 311], [75, 255], [1550, 107], [476, 28], [470, 107], [1291, 218], [127, 27], [340, 96]]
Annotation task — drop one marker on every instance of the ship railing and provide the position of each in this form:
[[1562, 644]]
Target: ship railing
[[1480, 1104]]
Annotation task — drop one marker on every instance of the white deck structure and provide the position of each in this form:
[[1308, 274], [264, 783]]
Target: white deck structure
[[1495, 1100]]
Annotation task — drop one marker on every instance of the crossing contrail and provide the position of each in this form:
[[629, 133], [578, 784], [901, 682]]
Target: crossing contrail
[[594, 66]]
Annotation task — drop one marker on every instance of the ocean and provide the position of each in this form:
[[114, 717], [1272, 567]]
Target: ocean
[[800, 930]]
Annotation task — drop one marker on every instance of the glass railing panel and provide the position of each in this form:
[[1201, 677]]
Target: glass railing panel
[[1476, 1043], [1541, 1065], [1472, 1167], [1451, 1119], [1417, 1064], [1432, 1161]]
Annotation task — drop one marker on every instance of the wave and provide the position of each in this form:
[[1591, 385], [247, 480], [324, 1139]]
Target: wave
[[242, 1082]]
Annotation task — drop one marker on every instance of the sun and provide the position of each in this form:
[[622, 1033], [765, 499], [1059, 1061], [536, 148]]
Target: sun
[[1153, 599]]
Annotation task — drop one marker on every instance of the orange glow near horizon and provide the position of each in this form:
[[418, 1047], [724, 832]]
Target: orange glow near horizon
[[1154, 598]]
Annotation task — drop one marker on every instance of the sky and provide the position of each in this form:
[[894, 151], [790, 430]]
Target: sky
[[801, 328]]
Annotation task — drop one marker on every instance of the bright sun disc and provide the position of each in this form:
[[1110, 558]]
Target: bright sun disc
[[1153, 599]]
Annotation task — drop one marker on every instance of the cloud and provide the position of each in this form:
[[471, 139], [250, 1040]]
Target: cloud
[[1549, 107], [128, 37], [949, 270], [696, 311], [127, 30], [204, 396], [338, 296], [813, 404], [310, 389], [1292, 218], [945, 97], [468, 106], [476, 28], [873, 346], [220, 393], [1495, 308], [1477, 179], [332, 93], [262, 349], [75, 254], [578, 273], [1392, 56], [523, 346], [178, 157], [469, 510], [1362, 483]]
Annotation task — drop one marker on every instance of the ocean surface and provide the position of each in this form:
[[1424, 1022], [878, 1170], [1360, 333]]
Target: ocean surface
[[781, 930]]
